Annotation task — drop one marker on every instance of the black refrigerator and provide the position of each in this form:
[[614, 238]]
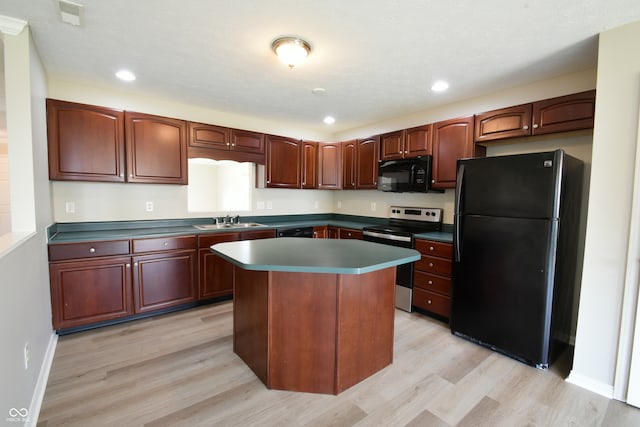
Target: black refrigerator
[[516, 234]]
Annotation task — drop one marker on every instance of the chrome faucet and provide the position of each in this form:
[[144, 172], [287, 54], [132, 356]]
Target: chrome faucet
[[237, 219]]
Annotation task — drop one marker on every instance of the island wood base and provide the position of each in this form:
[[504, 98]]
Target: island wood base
[[313, 332]]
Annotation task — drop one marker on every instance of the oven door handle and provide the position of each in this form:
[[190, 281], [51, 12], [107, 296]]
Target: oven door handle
[[386, 236]]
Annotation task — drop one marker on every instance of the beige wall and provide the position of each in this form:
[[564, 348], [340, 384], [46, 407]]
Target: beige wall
[[614, 146], [25, 313]]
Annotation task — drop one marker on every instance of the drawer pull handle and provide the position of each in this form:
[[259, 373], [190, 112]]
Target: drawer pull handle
[[92, 250]]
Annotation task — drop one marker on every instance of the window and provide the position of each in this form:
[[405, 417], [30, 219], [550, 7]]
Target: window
[[219, 185]]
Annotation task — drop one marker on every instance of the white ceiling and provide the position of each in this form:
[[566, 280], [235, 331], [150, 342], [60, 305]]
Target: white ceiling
[[376, 58]]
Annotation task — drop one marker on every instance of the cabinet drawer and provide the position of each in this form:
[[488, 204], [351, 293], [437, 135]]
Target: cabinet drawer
[[430, 282], [432, 302], [255, 235], [164, 244], [206, 240], [349, 233], [431, 248], [435, 265], [62, 251]]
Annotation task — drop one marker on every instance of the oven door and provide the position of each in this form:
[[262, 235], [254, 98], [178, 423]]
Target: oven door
[[404, 272]]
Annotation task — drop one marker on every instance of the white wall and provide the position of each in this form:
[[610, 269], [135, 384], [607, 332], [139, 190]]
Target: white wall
[[608, 225], [25, 313]]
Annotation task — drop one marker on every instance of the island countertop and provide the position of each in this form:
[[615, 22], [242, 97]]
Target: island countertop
[[302, 255]]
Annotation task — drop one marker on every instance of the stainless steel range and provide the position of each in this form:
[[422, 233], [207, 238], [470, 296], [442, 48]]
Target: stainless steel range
[[404, 224]]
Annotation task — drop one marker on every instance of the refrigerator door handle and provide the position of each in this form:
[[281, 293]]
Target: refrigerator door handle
[[456, 230]]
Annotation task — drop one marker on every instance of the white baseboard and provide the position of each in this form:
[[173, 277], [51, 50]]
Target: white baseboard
[[590, 384], [41, 384]]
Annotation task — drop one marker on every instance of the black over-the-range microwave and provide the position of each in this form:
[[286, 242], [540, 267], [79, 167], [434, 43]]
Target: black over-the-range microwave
[[406, 175]]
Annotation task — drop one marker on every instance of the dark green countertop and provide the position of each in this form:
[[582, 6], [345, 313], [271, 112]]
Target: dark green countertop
[[114, 230], [314, 255]]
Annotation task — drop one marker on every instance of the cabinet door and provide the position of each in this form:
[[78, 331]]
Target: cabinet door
[[309, 164], [504, 123], [86, 142], [247, 141], [209, 136], [418, 141], [90, 291], [283, 162], [320, 232], [333, 232], [156, 149], [452, 140], [164, 280], [216, 274], [367, 155], [392, 145], [330, 165], [565, 113], [349, 165]]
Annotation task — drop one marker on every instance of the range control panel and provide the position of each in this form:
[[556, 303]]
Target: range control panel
[[416, 214]]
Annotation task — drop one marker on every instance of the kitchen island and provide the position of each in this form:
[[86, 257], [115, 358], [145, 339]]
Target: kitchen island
[[313, 315]]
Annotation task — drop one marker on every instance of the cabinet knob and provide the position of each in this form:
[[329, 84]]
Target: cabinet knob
[[535, 126], [92, 250], [166, 244], [406, 152], [121, 175], [430, 264], [429, 302], [433, 181], [431, 248], [135, 264], [130, 175], [525, 127], [128, 265], [228, 144], [430, 282], [233, 145]]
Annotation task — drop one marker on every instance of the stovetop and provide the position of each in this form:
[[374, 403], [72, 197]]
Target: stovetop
[[406, 221]]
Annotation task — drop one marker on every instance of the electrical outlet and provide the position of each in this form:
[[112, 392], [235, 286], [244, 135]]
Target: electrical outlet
[[27, 356], [149, 206], [373, 206], [70, 207], [269, 205], [260, 205]]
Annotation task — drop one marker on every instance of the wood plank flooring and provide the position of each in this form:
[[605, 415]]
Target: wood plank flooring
[[180, 370]]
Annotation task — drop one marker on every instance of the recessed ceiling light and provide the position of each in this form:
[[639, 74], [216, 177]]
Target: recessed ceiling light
[[440, 86], [318, 91], [126, 75], [329, 120]]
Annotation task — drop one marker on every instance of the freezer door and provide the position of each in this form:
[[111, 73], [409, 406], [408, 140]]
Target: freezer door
[[503, 284], [521, 186]]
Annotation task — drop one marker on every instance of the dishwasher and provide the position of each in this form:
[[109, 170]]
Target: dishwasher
[[295, 232]]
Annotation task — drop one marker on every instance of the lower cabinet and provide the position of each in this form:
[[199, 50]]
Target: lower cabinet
[[216, 274], [90, 291], [432, 277], [320, 232]]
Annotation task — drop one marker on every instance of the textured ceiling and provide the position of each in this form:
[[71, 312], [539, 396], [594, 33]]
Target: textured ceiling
[[376, 58]]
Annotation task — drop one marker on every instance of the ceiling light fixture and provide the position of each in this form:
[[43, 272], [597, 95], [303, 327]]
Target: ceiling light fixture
[[291, 50], [329, 120], [126, 75], [440, 86]]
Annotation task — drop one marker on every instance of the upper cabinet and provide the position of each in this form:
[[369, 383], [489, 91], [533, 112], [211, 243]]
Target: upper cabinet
[[452, 140], [156, 149], [309, 164], [329, 165], [283, 162], [367, 155], [86, 142], [561, 114], [407, 143], [221, 143], [349, 165]]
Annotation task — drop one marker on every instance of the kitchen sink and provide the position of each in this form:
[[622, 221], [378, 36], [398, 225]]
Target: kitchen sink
[[228, 226]]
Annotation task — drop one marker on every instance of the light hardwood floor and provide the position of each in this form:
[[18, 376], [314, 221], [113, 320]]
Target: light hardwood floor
[[180, 370]]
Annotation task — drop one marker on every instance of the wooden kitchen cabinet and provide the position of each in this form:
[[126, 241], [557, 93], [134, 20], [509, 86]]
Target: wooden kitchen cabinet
[[432, 277], [221, 143], [156, 149], [283, 162], [320, 232], [85, 142], [333, 232], [309, 164], [452, 140], [216, 274], [349, 233], [349, 165], [164, 272], [560, 114], [407, 143], [367, 155], [329, 166]]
